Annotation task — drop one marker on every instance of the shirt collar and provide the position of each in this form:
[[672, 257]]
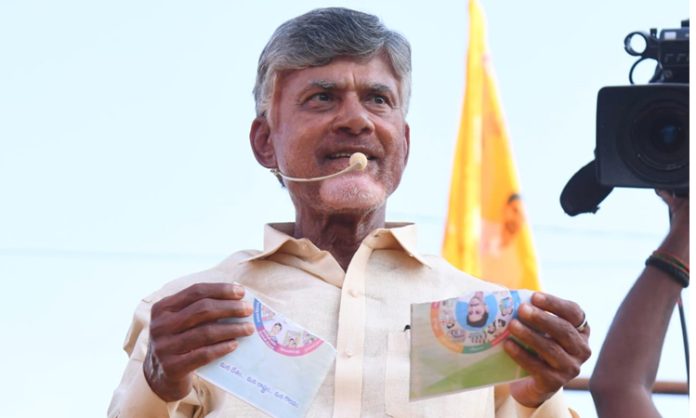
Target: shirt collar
[[278, 236]]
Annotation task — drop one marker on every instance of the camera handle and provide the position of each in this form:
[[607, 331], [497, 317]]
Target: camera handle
[[651, 50]]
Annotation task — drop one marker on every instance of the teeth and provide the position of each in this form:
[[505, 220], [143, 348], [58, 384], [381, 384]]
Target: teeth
[[338, 155]]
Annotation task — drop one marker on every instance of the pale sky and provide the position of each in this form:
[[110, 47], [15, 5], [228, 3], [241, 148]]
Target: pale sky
[[125, 163]]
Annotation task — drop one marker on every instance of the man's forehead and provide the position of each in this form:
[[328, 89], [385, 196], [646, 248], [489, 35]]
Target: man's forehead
[[374, 73]]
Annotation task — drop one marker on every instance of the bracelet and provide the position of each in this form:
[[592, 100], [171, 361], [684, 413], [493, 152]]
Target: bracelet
[[673, 269], [671, 259]]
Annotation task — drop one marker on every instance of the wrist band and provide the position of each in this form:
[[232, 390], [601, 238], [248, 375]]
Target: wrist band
[[668, 266], [672, 259]]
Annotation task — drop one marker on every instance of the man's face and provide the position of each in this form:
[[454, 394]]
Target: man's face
[[321, 115], [476, 310]]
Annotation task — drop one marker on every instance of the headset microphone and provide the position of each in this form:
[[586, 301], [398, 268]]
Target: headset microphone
[[357, 161]]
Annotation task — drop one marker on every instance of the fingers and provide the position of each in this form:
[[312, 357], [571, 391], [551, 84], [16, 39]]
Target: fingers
[[670, 196], [675, 203], [565, 309], [202, 336], [170, 375], [180, 354], [198, 324], [184, 298], [550, 326], [536, 366], [547, 351], [186, 332], [206, 302], [179, 366], [207, 310], [550, 343]]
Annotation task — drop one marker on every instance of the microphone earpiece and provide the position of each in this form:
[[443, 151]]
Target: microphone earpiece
[[357, 161]]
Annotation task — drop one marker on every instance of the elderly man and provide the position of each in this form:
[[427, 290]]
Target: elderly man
[[331, 83]]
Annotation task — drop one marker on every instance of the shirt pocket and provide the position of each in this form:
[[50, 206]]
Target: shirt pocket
[[474, 403]]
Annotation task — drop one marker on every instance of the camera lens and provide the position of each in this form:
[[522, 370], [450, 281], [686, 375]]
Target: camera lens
[[668, 135], [661, 136], [643, 136], [659, 141]]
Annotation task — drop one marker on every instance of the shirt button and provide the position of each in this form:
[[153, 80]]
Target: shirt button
[[354, 293], [348, 353]]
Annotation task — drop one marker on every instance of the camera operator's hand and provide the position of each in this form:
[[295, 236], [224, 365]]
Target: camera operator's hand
[[677, 240], [623, 379], [186, 333], [557, 331]]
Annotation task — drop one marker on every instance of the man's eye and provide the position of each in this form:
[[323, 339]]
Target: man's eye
[[322, 97], [380, 100]]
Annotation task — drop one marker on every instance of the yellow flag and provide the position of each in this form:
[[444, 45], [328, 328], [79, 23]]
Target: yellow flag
[[486, 233]]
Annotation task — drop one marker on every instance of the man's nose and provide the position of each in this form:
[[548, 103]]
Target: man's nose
[[353, 117]]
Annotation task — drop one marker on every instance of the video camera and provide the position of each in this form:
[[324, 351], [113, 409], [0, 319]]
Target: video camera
[[642, 130]]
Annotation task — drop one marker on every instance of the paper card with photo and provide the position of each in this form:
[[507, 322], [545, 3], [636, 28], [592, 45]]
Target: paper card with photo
[[278, 369], [456, 344]]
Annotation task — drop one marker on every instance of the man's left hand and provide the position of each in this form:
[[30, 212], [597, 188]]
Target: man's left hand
[[555, 331]]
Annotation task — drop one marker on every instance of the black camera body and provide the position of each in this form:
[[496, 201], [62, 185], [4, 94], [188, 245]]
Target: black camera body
[[643, 136], [643, 130]]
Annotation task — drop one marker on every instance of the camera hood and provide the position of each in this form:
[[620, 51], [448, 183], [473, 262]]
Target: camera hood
[[583, 193]]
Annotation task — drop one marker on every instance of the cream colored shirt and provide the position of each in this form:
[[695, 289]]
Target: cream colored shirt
[[362, 312]]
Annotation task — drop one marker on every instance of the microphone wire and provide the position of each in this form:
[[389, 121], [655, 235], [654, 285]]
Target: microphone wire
[[357, 161], [685, 337]]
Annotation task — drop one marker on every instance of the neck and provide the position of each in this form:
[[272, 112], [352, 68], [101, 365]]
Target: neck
[[339, 234]]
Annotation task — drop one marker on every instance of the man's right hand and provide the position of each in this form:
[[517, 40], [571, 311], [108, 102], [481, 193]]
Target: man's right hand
[[185, 334]]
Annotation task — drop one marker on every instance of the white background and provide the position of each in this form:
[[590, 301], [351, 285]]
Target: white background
[[124, 163]]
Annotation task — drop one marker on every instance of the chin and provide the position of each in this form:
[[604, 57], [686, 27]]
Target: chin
[[346, 197]]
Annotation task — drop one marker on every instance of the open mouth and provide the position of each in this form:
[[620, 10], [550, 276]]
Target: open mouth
[[339, 155]]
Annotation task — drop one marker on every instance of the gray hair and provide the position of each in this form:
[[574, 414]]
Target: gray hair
[[315, 38]]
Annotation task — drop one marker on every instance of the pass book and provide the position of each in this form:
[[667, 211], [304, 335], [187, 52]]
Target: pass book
[[456, 344], [278, 369]]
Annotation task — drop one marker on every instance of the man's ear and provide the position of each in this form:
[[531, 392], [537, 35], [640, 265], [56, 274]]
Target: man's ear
[[259, 136], [407, 136]]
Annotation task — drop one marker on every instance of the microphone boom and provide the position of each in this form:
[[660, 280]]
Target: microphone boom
[[357, 161]]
